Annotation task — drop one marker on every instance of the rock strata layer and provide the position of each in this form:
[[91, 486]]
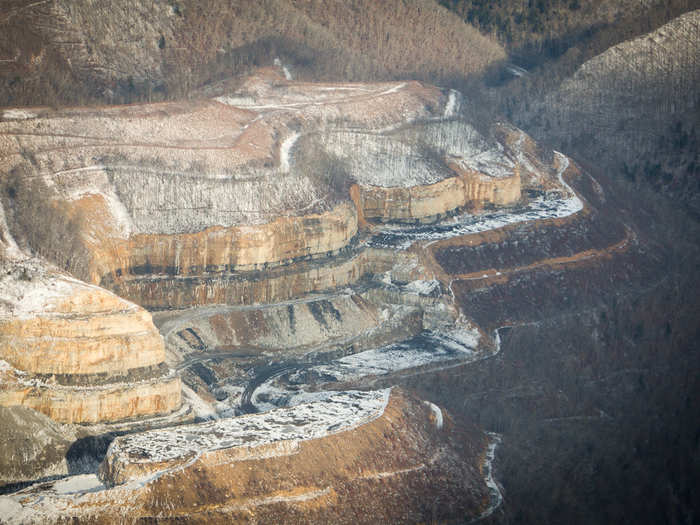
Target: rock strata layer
[[76, 352]]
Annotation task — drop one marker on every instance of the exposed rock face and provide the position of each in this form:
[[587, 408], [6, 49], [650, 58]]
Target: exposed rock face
[[428, 203], [274, 285], [366, 457], [413, 203], [104, 403], [480, 189], [76, 352], [241, 248], [427, 170], [313, 324]]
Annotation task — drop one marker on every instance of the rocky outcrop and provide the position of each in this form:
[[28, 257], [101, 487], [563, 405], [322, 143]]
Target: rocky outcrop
[[279, 284], [95, 404], [76, 352], [470, 189], [366, 457], [229, 249], [480, 189], [417, 203], [317, 323]]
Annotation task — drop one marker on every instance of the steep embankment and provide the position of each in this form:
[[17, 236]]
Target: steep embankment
[[357, 457]]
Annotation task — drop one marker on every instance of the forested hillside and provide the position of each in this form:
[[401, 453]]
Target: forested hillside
[[633, 108], [67, 52], [534, 30]]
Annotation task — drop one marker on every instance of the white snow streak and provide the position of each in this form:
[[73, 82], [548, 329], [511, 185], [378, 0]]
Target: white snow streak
[[453, 104], [285, 148], [17, 114], [563, 166], [496, 495], [437, 412]]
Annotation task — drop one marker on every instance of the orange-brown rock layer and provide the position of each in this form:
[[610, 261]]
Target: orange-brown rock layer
[[107, 403], [275, 285], [63, 326], [238, 248], [110, 343], [429, 202], [58, 335]]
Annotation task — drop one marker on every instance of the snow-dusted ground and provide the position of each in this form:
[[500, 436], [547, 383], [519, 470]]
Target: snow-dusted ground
[[384, 161], [78, 484], [167, 203], [31, 288], [460, 142], [17, 114], [429, 347], [496, 497], [543, 207], [397, 157], [421, 287], [338, 412], [423, 349]]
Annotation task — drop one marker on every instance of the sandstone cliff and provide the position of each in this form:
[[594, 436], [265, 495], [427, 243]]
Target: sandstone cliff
[[77, 352]]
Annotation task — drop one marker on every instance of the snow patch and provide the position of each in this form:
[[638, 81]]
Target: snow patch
[[437, 412], [453, 103], [10, 510], [7, 241], [200, 407], [340, 412], [424, 349], [422, 287], [285, 148], [17, 114], [78, 484], [545, 207]]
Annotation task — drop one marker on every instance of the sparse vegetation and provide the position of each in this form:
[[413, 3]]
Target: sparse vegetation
[[39, 225]]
